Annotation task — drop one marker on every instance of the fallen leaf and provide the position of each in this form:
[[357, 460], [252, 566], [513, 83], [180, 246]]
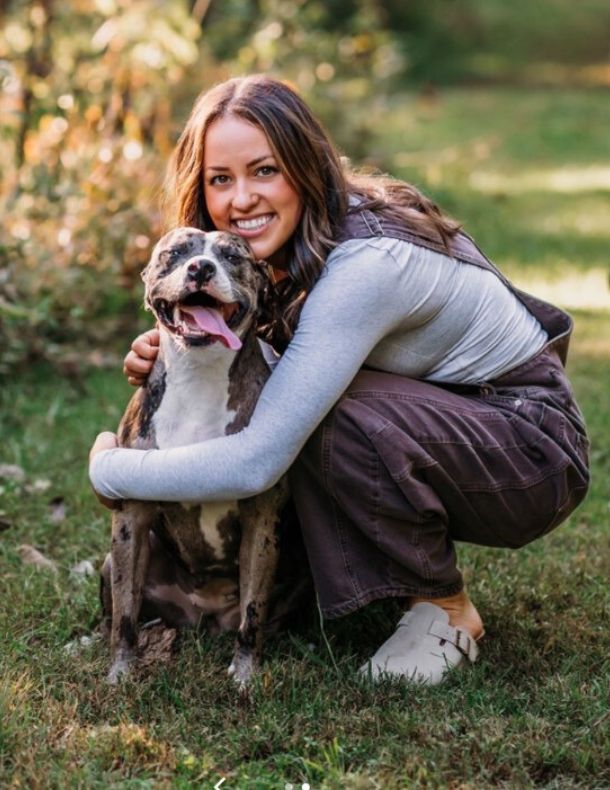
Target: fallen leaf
[[83, 568], [12, 472], [39, 486], [156, 642], [549, 644], [58, 509], [32, 556], [76, 645]]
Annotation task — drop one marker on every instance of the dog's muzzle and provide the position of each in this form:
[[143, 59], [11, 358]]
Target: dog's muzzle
[[199, 316]]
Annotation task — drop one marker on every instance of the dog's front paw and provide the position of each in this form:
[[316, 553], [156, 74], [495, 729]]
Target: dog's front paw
[[121, 669], [242, 668]]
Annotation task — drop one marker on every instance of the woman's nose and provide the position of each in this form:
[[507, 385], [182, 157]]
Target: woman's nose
[[244, 196]]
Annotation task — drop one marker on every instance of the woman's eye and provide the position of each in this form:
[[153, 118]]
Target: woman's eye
[[219, 180], [266, 170]]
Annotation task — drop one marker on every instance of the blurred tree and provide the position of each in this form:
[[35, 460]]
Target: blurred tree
[[446, 41], [85, 129], [339, 53]]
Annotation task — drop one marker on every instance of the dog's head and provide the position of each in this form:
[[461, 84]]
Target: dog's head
[[203, 287]]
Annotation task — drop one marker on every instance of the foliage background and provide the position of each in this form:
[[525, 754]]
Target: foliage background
[[94, 92]]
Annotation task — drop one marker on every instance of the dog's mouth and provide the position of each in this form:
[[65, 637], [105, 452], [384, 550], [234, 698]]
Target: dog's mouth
[[201, 319]]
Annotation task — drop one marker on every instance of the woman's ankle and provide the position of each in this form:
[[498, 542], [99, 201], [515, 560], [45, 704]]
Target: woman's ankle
[[462, 612]]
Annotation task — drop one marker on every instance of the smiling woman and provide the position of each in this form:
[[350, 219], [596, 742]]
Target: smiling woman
[[419, 400], [245, 190]]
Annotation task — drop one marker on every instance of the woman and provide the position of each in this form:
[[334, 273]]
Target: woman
[[419, 399]]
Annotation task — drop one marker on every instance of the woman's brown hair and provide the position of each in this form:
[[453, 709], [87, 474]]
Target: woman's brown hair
[[312, 166]]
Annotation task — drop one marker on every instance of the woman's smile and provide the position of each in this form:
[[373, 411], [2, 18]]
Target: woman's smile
[[252, 227], [246, 191]]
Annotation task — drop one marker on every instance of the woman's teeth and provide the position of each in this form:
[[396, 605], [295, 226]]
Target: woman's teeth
[[253, 224]]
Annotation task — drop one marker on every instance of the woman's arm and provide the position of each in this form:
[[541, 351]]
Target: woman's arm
[[354, 304]]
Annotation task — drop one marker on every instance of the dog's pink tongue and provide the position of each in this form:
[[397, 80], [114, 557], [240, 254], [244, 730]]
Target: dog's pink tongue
[[212, 322]]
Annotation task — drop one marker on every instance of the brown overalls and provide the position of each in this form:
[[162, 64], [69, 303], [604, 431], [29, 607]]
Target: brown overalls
[[402, 468]]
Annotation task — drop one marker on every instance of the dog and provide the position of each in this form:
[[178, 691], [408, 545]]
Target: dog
[[205, 290]]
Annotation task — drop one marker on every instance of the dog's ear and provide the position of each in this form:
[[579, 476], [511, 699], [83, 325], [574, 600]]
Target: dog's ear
[[144, 275], [153, 257]]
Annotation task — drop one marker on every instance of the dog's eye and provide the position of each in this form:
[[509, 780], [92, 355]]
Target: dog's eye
[[233, 257], [178, 252], [170, 256]]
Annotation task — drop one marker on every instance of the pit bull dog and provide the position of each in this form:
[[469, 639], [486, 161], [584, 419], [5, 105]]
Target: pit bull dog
[[204, 290]]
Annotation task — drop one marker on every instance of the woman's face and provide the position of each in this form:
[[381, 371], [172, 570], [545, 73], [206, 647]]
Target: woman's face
[[245, 191]]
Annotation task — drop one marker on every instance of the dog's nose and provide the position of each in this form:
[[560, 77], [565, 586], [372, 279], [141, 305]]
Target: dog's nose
[[201, 271]]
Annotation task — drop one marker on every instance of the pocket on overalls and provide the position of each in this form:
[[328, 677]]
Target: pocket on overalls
[[549, 455]]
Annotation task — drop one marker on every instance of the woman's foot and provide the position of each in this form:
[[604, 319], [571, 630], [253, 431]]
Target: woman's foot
[[462, 612], [433, 637]]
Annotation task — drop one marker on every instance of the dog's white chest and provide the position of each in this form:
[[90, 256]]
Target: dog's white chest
[[195, 404], [211, 518]]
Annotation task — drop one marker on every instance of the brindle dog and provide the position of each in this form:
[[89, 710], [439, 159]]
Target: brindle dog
[[213, 562]]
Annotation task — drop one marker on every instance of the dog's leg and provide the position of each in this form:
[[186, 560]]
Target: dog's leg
[[130, 552], [106, 595], [258, 556]]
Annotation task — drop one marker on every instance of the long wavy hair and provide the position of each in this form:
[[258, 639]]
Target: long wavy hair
[[311, 165]]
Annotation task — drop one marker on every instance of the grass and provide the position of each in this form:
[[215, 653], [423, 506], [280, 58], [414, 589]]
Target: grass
[[532, 712]]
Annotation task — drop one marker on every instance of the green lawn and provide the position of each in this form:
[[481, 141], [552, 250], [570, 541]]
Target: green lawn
[[532, 712]]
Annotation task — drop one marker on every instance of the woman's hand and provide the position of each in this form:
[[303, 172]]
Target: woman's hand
[[139, 361], [105, 441]]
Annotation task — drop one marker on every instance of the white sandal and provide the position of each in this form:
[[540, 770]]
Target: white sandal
[[423, 648]]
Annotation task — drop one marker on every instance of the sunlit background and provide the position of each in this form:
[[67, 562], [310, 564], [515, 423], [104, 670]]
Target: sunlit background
[[498, 110]]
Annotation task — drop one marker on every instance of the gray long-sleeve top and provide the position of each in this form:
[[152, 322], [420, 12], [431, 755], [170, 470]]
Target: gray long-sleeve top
[[390, 304]]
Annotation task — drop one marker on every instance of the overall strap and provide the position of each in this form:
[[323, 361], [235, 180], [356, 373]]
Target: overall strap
[[364, 224]]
